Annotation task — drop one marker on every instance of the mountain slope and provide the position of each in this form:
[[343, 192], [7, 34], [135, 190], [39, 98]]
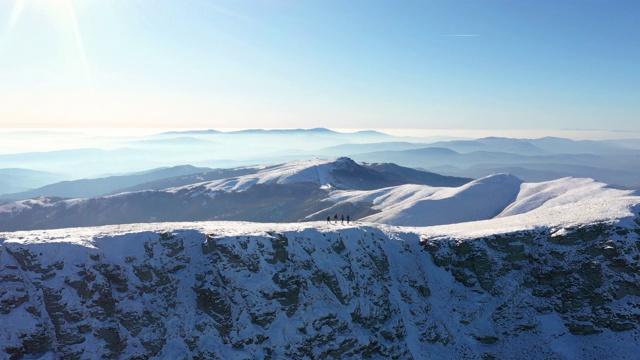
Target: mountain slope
[[17, 180], [479, 200], [492, 196], [405, 175], [101, 186], [183, 180], [541, 196], [543, 288], [341, 173], [283, 192], [312, 190]]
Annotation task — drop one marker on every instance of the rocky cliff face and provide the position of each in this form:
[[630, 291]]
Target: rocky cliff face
[[272, 291]]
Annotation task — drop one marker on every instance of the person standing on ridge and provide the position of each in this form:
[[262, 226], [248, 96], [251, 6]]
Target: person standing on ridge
[[347, 219], [342, 218], [335, 217], [329, 219]]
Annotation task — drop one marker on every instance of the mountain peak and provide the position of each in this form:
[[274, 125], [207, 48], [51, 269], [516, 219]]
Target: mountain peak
[[345, 162]]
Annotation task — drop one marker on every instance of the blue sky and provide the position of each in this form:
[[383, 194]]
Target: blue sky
[[490, 65]]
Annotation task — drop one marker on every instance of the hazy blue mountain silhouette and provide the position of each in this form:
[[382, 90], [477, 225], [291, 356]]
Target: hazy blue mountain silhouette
[[96, 187]]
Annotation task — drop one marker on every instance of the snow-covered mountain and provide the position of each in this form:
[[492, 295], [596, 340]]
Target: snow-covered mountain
[[550, 278], [284, 192], [311, 190]]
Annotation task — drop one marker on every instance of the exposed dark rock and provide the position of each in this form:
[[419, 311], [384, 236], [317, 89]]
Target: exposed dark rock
[[350, 293]]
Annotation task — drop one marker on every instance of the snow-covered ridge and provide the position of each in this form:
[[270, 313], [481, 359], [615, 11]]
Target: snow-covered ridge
[[495, 196], [417, 205], [498, 195], [559, 192], [316, 171], [246, 290], [311, 190]]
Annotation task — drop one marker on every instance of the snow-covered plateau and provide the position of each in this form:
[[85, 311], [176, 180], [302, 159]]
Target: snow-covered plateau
[[564, 285]]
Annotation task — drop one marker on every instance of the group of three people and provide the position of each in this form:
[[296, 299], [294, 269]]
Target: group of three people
[[335, 217]]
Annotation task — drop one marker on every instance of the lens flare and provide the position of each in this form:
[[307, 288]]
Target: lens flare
[[15, 15], [79, 44], [61, 12]]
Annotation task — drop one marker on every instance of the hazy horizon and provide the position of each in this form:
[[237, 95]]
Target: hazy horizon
[[23, 140]]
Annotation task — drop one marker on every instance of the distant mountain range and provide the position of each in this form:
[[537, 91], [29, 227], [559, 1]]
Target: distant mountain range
[[614, 162], [615, 170], [16, 180], [111, 184]]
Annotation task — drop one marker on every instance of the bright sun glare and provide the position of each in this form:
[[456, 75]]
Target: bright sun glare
[[63, 12]]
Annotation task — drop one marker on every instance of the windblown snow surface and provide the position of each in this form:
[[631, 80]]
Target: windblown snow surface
[[553, 276], [313, 171], [497, 196]]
